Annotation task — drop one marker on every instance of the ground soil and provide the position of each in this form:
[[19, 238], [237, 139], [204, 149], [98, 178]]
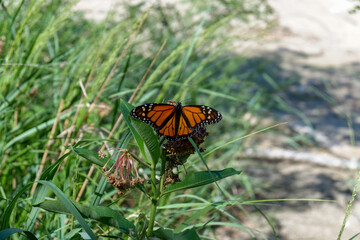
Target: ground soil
[[316, 42]]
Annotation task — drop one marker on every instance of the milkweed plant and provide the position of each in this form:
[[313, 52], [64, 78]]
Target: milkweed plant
[[123, 169], [164, 159]]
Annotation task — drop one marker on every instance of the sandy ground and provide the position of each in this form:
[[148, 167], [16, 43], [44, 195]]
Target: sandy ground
[[321, 29], [317, 40]]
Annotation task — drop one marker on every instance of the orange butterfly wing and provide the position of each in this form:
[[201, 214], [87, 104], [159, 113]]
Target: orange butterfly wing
[[160, 116], [199, 116], [169, 129], [156, 115], [184, 130], [176, 122]]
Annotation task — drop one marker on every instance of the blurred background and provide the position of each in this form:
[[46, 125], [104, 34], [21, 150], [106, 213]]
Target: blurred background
[[258, 62]]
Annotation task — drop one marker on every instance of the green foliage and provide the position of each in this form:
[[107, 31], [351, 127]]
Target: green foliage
[[169, 235], [102, 214], [10, 231], [92, 156], [48, 53], [198, 179], [70, 207], [8, 211], [356, 7], [144, 135]]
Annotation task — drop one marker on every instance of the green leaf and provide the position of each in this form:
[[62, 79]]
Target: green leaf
[[150, 138], [99, 192], [168, 234], [353, 237], [50, 172], [10, 231], [198, 179], [5, 218], [144, 135], [196, 215], [47, 175], [203, 160], [102, 214], [125, 110], [72, 233], [36, 129], [40, 191], [70, 206], [90, 155]]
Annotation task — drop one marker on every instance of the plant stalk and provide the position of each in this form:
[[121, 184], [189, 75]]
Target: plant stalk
[[156, 190], [152, 217], [154, 201]]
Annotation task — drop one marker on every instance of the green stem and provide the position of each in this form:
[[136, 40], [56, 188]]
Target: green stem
[[156, 191], [152, 217], [154, 201]]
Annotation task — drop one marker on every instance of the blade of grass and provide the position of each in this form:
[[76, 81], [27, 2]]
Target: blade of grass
[[5, 218], [204, 162], [40, 192], [119, 120], [4, 234], [268, 221], [348, 207], [131, 40], [191, 48], [36, 129], [117, 103], [197, 179], [49, 143], [240, 138], [70, 206]]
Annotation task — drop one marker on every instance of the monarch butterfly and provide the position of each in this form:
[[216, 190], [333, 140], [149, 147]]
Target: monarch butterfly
[[174, 121]]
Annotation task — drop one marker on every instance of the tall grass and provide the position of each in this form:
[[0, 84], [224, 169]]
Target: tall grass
[[50, 55]]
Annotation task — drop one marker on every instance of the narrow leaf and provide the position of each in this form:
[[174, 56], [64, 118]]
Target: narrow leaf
[[7, 213], [197, 215], [70, 207], [34, 130], [144, 135], [40, 191], [47, 175], [353, 237], [102, 214], [50, 172], [10, 231], [90, 155], [198, 179], [203, 160], [168, 234]]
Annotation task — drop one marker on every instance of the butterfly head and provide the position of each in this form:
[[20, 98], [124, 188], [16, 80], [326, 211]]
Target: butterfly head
[[171, 102]]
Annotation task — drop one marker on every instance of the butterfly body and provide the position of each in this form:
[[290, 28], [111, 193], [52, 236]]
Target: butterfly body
[[174, 121]]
